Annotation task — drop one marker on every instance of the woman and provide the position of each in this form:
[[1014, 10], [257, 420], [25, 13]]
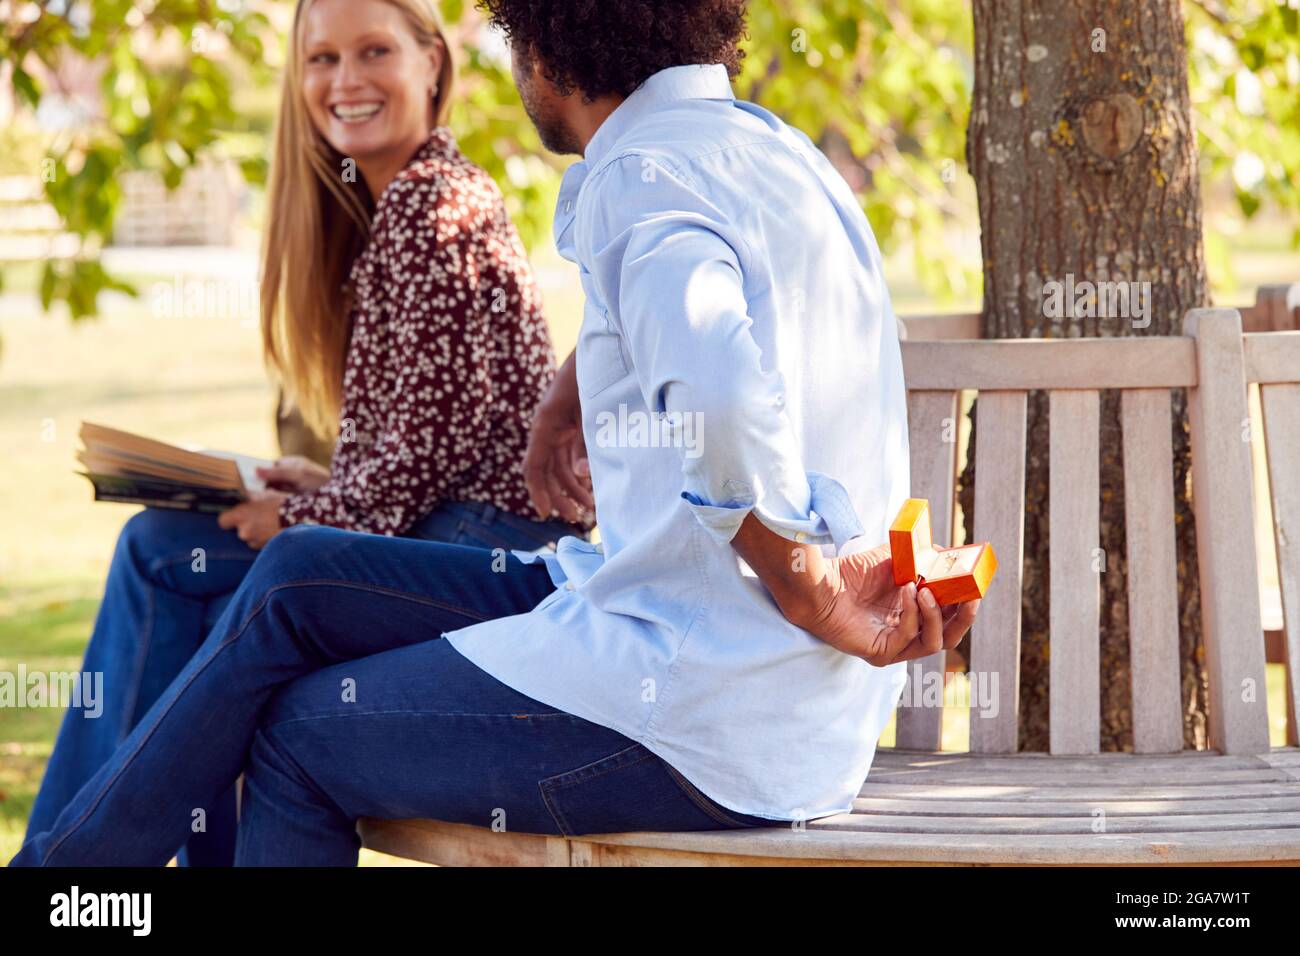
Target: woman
[[398, 310]]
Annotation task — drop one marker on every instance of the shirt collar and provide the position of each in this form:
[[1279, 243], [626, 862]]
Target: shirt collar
[[708, 81], [699, 81]]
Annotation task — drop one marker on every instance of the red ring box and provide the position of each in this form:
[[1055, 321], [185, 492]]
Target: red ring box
[[952, 575]]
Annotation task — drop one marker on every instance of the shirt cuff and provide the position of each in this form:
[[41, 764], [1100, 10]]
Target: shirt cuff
[[831, 518]]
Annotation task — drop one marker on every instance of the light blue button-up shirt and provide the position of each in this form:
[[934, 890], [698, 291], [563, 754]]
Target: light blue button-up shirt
[[738, 353]]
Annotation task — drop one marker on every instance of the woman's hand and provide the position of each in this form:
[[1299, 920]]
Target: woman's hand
[[294, 474], [556, 471], [257, 520], [869, 616]]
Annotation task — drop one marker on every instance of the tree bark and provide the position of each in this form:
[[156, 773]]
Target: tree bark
[[1083, 151]]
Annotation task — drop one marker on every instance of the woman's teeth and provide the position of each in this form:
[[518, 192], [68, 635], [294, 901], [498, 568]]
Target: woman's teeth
[[355, 112]]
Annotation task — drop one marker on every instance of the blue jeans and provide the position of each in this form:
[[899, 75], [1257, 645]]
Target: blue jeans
[[326, 683], [160, 603]]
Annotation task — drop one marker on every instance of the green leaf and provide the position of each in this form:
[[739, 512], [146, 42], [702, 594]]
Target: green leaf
[[846, 31], [48, 282], [1248, 202], [25, 86]]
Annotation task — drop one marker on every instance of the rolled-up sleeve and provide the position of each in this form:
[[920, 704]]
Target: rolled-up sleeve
[[676, 270]]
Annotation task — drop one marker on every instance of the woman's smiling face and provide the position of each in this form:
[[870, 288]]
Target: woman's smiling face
[[367, 83]]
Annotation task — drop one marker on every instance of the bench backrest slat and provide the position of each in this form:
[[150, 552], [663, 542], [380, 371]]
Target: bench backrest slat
[[1075, 589], [1223, 500], [1129, 362], [999, 519], [1280, 405], [1146, 418], [933, 445], [1271, 356]]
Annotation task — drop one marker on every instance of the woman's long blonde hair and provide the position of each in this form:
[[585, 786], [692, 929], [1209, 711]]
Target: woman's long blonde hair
[[316, 225]]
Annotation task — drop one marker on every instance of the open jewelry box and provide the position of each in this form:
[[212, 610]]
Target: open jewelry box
[[952, 575]]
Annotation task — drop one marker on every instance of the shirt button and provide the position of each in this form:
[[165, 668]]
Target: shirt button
[[568, 585], [800, 536]]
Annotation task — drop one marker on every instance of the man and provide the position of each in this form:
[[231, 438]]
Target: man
[[709, 665]]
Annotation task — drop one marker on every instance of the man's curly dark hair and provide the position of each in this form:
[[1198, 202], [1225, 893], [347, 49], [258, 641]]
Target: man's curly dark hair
[[613, 46]]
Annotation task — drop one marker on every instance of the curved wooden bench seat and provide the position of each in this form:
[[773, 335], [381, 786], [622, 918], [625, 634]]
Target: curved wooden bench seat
[[957, 809], [1238, 802]]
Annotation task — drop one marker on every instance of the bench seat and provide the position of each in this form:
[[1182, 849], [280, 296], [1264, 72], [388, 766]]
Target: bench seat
[[919, 808]]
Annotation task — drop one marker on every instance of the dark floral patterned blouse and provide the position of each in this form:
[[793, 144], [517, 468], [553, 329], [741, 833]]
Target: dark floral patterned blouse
[[448, 357]]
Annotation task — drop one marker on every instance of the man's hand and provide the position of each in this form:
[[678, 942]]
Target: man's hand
[[869, 616], [556, 471], [851, 603], [257, 520], [294, 474]]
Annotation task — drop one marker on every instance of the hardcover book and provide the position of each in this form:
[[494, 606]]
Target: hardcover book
[[130, 468]]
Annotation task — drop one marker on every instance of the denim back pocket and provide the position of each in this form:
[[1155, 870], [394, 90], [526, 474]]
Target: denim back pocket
[[630, 790]]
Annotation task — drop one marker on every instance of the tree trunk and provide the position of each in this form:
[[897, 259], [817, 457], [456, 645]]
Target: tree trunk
[[295, 438], [1083, 150]]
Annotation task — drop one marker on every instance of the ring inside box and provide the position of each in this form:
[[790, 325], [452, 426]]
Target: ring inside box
[[948, 562]]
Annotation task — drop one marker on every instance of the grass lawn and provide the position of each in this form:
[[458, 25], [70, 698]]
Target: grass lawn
[[183, 380], [197, 380]]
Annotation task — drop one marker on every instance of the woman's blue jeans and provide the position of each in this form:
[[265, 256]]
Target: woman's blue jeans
[[326, 683], [173, 574]]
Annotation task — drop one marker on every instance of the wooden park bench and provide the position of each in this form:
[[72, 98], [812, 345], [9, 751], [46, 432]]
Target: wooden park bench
[[1237, 802]]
